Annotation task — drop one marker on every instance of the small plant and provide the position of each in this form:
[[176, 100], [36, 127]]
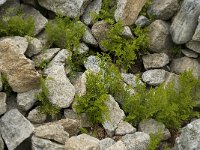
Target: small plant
[[5, 84], [145, 8], [155, 140]]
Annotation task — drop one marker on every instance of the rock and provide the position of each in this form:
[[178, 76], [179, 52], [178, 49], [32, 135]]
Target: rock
[[154, 77], [93, 64], [160, 39], [15, 128], [136, 141], [183, 25], [39, 19], [34, 46], [9, 4], [36, 116], [80, 84], [89, 38], [115, 116], [194, 45], [124, 128], [53, 132], [117, 146], [42, 36], [163, 9], [171, 77], [151, 126], [20, 71], [106, 143], [68, 8], [2, 2], [61, 91], [130, 79], [42, 144], [83, 48], [26, 100], [127, 33], [1, 143], [142, 21], [81, 142], [196, 36], [189, 138], [3, 105], [156, 60], [33, 3], [183, 64], [93, 7], [20, 42], [1, 84], [189, 53], [128, 11]]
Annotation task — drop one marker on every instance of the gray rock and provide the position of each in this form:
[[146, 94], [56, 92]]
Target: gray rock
[[117, 146], [61, 91], [189, 53], [128, 11], [160, 38], [1, 143], [81, 142], [9, 4], [183, 64], [89, 38], [129, 79], [43, 144], [156, 60], [142, 21], [163, 9], [42, 36], [53, 132], [80, 84], [194, 45], [36, 116], [68, 8], [33, 3], [2, 2], [196, 36], [3, 105], [190, 137], [154, 77], [26, 100], [171, 77], [124, 128], [185, 22], [93, 64], [15, 128], [116, 115], [1, 84], [136, 141], [83, 48], [93, 7], [151, 126], [106, 143], [127, 33]]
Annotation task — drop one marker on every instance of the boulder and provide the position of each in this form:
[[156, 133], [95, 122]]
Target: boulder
[[142, 21], [194, 45], [3, 105], [196, 36], [117, 146], [93, 64], [106, 143], [124, 128], [189, 53], [1, 143], [89, 39], [36, 116], [127, 33]]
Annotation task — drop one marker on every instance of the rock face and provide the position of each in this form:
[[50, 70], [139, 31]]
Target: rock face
[[15, 128], [128, 10], [3, 105], [1, 143], [69, 8], [20, 71], [196, 36], [105, 143], [194, 45], [124, 128], [185, 22], [117, 146], [189, 138]]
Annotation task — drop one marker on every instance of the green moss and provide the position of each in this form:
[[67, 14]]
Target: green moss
[[6, 87], [155, 140]]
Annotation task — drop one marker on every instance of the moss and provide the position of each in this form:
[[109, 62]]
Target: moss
[[6, 87], [155, 140]]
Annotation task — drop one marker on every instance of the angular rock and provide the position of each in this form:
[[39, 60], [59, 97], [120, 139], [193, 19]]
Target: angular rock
[[53, 132], [156, 60], [127, 33], [142, 21], [136, 141], [93, 64], [83, 48], [129, 79], [115, 116], [189, 53], [154, 77], [106, 143], [1, 143], [128, 10], [163, 9], [36, 116], [117, 146], [43, 144], [68, 8], [20, 71], [171, 77], [124, 128], [61, 91], [15, 128], [194, 45], [196, 36], [160, 38], [42, 36], [183, 64], [185, 22], [89, 38], [3, 105]]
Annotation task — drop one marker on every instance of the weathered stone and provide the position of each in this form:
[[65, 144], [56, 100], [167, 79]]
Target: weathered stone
[[36, 116], [156, 60], [93, 64], [124, 128], [26, 100], [127, 33], [171, 77], [1, 143], [42, 36], [80, 84], [83, 48], [196, 36], [154, 77], [142, 21], [160, 38], [128, 10], [189, 138], [81, 142], [183, 64], [43, 144], [136, 141], [61, 91], [20, 71], [116, 115], [129, 79], [163, 9], [53, 132], [151, 126], [185, 22], [2, 2], [89, 38], [1, 84], [34, 3], [68, 8], [3, 105], [15, 128], [117, 146], [105, 143], [189, 53], [93, 7], [9, 4], [194, 45]]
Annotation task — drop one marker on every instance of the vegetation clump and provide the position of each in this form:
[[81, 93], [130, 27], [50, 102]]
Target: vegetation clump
[[5, 85]]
